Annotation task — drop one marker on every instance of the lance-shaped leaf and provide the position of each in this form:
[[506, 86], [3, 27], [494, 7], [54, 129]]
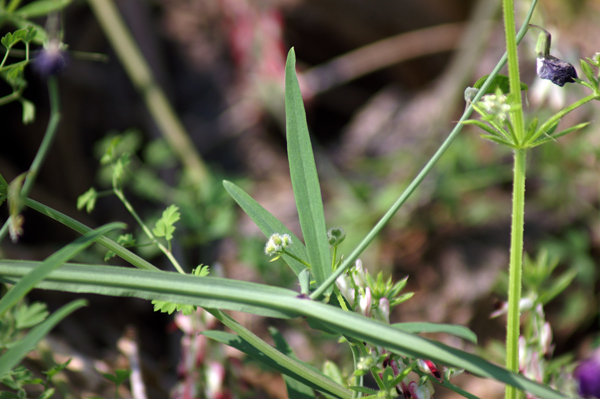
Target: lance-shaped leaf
[[305, 180]]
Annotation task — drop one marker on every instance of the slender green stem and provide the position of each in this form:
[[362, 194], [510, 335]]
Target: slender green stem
[[291, 255], [515, 268], [45, 145], [119, 250], [167, 252], [426, 169], [513, 69]]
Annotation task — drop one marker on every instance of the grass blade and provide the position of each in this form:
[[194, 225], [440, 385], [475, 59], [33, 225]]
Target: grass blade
[[263, 300], [305, 180], [268, 224], [295, 388], [252, 345], [55, 260], [109, 244], [452, 329]]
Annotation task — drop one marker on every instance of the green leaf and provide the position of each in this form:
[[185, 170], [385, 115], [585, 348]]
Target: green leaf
[[201, 271], [7, 40], [119, 377], [500, 82], [28, 111], [87, 200], [47, 394], [483, 126], [123, 253], [589, 73], [496, 139], [295, 389], [27, 316], [452, 329], [17, 352], [269, 225], [165, 225], [170, 307], [41, 8], [305, 180], [207, 292], [253, 346], [262, 300], [558, 286], [54, 261], [554, 136]]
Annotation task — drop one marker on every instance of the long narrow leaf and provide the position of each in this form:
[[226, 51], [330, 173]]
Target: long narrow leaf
[[109, 244], [55, 260], [452, 329], [17, 352], [305, 180], [261, 299], [295, 388], [208, 292], [274, 358], [268, 224]]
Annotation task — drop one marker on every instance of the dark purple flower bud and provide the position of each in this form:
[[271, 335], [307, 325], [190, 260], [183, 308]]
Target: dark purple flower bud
[[587, 375], [557, 71], [51, 60]]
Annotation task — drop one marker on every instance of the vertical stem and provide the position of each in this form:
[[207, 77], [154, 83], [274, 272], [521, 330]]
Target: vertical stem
[[513, 68], [515, 268]]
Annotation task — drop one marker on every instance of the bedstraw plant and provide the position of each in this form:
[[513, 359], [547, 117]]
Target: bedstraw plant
[[337, 293]]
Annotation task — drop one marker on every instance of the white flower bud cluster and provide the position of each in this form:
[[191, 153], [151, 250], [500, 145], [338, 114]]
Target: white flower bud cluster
[[495, 105], [277, 243]]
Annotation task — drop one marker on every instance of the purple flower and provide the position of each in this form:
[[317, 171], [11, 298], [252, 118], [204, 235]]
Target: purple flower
[[587, 375], [555, 70], [51, 60]]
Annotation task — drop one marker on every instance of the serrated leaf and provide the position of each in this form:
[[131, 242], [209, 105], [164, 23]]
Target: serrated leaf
[[17, 352], [165, 225], [201, 271], [496, 139], [87, 200], [27, 316], [305, 180], [7, 40]]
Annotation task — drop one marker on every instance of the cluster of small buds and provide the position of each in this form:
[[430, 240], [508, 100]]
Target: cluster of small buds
[[277, 243], [335, 236], [496, 106]]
